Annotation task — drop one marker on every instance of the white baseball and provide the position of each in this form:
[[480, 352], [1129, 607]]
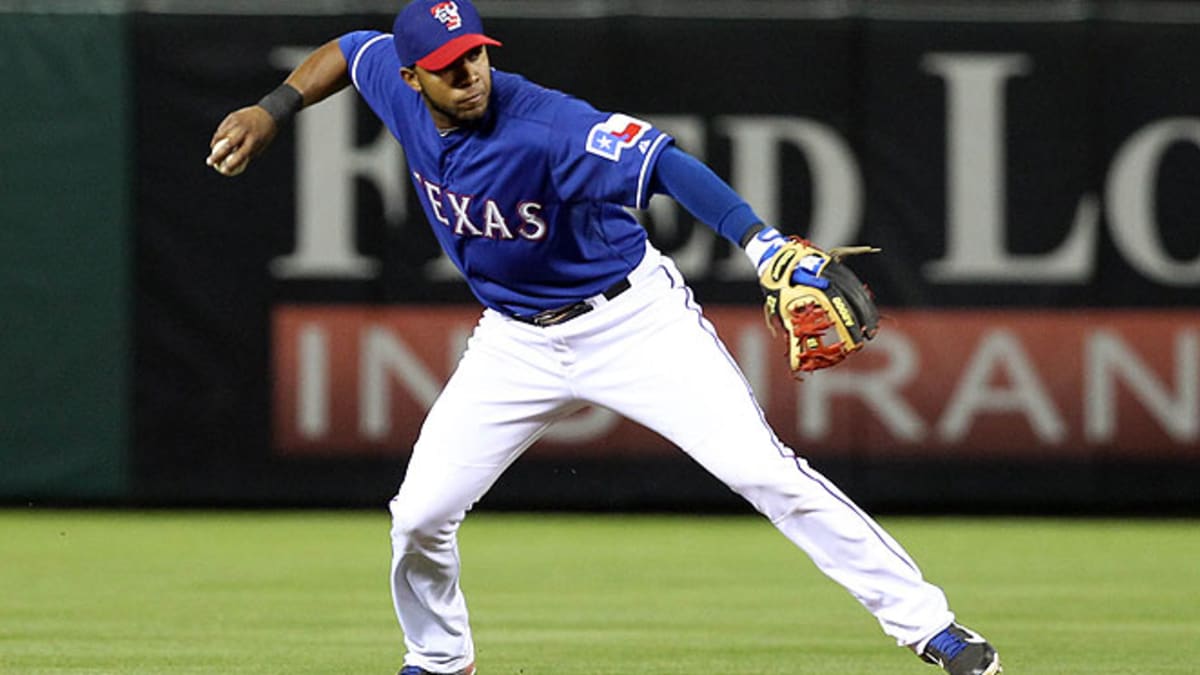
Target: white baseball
[[220, 166]]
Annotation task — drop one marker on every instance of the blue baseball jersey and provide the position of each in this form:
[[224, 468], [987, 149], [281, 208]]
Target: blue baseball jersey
[[529, 203]]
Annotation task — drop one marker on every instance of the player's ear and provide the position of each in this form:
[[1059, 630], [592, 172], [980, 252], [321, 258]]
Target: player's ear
[[409, 75]]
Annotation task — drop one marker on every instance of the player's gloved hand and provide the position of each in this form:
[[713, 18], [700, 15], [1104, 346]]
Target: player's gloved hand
[[826, 312]]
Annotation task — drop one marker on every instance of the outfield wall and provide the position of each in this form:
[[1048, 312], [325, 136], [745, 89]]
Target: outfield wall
[[1028, 168], [65, 259]]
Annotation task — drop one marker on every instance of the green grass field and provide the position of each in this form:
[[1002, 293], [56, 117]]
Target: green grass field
[[199, 592]]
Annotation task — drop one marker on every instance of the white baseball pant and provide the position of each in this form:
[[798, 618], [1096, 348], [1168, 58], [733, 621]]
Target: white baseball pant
[[650, 355]]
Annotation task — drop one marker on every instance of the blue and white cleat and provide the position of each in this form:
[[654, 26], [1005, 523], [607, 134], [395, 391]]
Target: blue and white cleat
[[962, 651]]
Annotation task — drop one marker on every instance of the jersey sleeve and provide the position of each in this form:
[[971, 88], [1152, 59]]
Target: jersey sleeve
[[373, 66], [607, 157], [703, 193]]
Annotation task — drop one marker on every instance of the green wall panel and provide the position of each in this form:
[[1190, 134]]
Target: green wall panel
[[64, 256]]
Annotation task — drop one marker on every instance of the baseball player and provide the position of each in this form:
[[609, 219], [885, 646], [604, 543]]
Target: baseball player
[[526, 190]]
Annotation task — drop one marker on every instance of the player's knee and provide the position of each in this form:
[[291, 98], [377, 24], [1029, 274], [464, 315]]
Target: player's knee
[[417, 528]]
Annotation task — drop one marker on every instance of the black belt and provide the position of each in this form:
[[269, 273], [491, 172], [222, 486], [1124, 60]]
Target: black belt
[[551, 317]]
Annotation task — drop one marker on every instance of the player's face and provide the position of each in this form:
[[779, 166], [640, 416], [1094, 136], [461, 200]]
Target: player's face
[[458, 94]]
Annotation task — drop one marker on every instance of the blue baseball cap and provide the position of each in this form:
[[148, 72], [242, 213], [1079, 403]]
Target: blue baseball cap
[[435, 33]]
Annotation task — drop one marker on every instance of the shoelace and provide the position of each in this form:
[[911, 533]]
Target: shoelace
[[948, 644]]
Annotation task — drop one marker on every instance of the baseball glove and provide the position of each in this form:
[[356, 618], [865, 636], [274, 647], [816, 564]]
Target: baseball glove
[[825, 311]]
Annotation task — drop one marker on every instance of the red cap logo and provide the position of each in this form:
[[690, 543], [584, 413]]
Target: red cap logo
[[447, 13]]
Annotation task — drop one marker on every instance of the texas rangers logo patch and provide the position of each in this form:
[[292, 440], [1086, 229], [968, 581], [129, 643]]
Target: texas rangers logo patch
[[447, 13], [608, 138]]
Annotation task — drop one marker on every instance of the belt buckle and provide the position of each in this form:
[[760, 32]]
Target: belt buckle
[[552, 317]]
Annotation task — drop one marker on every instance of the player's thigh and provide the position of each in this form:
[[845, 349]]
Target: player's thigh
[[675, 376], [491, 410], [685, 386]]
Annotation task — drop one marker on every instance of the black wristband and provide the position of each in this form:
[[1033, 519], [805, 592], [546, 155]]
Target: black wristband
[[750, 233], [283, 102]]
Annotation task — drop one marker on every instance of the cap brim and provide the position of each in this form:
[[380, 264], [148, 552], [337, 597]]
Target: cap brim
[[450, 52]]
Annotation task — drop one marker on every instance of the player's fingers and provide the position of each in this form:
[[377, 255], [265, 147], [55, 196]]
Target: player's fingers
[[234, 129], [220, 151], [230, 127], [239, 138], [221, 132], [236, 161], [228, 159], [232, 168]]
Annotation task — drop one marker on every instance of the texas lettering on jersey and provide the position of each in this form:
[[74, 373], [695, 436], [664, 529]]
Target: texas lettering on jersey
[[529, 205], [490, 222]]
